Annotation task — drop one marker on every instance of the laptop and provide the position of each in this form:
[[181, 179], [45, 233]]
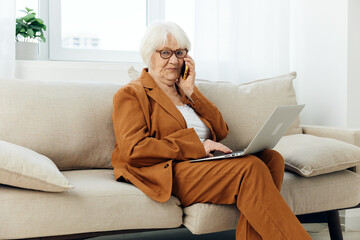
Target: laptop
[[268, 135]]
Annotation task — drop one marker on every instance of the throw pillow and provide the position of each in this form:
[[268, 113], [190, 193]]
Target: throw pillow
[[246, 107], [67, 121], [309, 155], [133, 73], [24, 168]]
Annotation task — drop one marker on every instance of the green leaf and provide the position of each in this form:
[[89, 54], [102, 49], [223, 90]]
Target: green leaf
[[36, 23], [39, 20], [29, 9], [23, 24], [35, 27], [23, 11], [30, 32], [42, 38], [19, 20], [29, 17], [22, 30]]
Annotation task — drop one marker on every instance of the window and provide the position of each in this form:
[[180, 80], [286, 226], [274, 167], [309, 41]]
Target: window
[[109, 30], [106, 25]]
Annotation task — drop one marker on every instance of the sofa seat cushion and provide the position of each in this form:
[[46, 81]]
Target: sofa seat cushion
[[97, 203], [303, 195]]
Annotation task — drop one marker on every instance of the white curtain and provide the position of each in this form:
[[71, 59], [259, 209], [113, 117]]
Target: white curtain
[[241, 40], [7, 38]]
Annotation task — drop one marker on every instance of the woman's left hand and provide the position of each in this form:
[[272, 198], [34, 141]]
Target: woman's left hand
[[188, 85]]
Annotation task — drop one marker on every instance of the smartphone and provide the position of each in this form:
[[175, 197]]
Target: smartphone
[[184, 71]]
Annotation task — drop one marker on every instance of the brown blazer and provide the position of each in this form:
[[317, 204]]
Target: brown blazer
[[151, 133]]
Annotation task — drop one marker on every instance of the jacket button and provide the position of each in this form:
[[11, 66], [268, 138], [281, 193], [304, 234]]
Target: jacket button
[[166, 165]]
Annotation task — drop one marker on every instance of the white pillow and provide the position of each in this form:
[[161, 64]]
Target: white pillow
[[245, 107], [133, 73], [69, 122], [309, 155], [24, 168]]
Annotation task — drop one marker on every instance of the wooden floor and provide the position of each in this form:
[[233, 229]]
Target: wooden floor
[[316, 231]]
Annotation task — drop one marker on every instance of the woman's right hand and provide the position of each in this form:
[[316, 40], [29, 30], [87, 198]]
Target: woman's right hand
[[210, 146]]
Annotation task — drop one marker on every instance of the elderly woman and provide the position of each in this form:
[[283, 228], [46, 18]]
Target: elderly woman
[[161, 121]]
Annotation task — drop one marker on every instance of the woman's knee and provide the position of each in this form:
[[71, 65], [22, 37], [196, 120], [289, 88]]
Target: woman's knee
[[256, 165], [273, 159]]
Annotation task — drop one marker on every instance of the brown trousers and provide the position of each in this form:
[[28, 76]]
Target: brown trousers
[[253, 183]]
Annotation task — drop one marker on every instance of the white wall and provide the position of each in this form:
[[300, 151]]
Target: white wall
[[325, 51], [353, 64], [7, 43], [318, 52]]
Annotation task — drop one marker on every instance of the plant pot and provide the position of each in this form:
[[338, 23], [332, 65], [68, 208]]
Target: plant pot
[[27, 51]]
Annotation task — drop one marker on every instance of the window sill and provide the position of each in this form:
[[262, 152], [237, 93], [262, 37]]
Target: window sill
[[74, 71]]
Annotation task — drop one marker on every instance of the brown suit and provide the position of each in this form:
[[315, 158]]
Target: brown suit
[[151, 132], [153, 142]]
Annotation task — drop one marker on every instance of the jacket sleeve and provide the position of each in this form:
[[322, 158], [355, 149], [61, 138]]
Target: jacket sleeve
[[131, 122], [206, 109]]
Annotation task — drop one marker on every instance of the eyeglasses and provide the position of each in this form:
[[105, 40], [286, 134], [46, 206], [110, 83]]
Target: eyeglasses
[[167, 53]]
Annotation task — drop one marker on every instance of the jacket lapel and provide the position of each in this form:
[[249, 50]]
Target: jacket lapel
[[153, 91]]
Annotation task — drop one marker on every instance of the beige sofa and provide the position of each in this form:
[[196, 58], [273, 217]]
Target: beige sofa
[[46, 126]]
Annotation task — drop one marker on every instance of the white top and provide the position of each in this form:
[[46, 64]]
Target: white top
[[193, 121]]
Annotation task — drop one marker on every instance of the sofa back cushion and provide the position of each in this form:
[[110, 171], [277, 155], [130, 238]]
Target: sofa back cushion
[[245, 107], [69, 122]]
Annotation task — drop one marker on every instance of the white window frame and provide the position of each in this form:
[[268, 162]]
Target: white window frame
[[155, 11], [44, 14]]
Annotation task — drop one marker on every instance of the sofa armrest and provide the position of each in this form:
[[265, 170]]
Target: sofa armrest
[[349, 135]]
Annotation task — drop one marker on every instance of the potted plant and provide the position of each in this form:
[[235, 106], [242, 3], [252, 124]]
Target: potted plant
[[29, 32]]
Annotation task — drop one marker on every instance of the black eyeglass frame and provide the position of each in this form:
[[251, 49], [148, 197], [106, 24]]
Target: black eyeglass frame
[[172, 52]]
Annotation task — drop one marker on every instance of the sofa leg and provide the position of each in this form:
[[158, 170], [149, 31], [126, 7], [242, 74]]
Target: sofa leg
[[334, 225]]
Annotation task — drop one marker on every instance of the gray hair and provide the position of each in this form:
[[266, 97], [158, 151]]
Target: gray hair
[[156, 36]]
